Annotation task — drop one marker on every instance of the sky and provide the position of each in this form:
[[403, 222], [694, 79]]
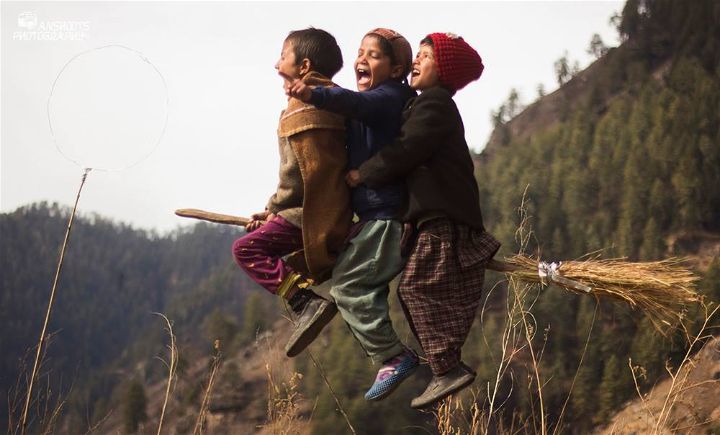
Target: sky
[[184, 114]]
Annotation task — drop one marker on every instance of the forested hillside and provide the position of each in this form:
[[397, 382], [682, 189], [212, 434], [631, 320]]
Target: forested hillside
[[115, 277], [623, 160]]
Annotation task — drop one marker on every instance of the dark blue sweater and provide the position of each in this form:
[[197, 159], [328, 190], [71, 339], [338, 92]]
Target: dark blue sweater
[[375, 121]]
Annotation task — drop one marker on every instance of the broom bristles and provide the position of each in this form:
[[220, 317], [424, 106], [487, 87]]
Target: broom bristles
[[661, 289]]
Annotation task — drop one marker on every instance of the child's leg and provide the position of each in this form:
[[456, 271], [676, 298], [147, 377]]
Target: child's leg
[[360, 287], [439, 297], [260, 253]]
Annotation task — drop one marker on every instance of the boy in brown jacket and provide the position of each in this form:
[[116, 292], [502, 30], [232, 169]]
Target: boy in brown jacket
[[441, 286], [310, 209]]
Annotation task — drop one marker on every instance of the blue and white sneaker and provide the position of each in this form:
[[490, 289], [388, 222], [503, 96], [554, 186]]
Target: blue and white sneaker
[[391, 374]]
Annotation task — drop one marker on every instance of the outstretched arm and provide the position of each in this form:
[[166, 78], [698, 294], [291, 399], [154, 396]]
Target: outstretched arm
[[365, 106]]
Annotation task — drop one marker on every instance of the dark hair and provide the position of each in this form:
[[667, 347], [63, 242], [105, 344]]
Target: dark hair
[[319, 47]]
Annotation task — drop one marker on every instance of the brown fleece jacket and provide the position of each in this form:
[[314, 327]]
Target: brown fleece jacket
[[312, 193]]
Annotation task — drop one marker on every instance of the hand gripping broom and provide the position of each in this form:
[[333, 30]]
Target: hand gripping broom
[[661, 289]]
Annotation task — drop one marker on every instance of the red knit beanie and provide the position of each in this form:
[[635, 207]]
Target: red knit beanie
[[400, 46], [457, 62]]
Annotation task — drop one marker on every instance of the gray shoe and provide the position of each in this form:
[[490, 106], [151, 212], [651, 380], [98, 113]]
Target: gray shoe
[[442, 386], [316, 313]]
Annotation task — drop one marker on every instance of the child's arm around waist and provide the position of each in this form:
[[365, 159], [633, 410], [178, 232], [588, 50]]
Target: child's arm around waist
[[423, 133]]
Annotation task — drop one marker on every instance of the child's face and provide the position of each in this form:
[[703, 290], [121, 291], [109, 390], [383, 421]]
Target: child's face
[[287, 65], [372, 66], [424, 74]]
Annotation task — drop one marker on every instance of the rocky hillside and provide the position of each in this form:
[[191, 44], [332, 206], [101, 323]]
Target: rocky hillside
[[689, 403]]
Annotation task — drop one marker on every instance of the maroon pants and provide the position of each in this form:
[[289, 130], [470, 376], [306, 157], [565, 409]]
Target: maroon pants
[[260, 252]]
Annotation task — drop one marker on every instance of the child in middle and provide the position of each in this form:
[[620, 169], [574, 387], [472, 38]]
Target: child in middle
[[373, 258], [441, 288]]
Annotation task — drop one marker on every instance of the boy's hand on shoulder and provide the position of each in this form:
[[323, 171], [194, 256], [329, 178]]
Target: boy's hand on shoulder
[[301, 91], [258, 220], [352, 178]]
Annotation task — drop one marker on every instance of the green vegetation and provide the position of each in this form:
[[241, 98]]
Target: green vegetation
[[630, 167], [115, 277], [135, 404]]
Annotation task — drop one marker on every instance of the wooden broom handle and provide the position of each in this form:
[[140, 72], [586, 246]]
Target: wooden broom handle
[[193, 213], [212, 217]]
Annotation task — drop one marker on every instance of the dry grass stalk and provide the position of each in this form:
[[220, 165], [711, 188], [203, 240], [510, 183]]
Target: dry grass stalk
[[332, 391], [661, 289], [680, 375], [321, 371], [283, 398], [529, 328], [511, 344], [42, 340], [46, 413], [452, 418], [202, 414], [444, 416], [517, 337], [172, 367], [283, 410], [659, 415], [558, 426]]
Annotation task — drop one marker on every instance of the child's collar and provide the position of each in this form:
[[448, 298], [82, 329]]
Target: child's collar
[[314, 78]]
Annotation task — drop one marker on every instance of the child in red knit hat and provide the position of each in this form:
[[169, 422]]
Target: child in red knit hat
[[441, 286]]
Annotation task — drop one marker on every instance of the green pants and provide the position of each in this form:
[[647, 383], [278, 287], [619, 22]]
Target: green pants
[[360, 287]]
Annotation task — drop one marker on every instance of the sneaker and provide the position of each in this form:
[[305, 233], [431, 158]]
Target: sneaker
[[391, 374], [442, 386], [313, 315]]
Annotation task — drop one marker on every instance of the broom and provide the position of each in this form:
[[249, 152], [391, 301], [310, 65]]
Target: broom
[[661, 289]]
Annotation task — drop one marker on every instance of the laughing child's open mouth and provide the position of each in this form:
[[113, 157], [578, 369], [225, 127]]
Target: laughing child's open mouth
[[363, 76]]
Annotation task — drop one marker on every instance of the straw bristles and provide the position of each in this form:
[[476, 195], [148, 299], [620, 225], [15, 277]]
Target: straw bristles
[[661, 289]]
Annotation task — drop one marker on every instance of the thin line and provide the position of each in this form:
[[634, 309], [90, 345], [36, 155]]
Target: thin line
[[41, 341], [167, 105]]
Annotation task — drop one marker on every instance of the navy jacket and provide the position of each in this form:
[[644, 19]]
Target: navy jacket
[[375, 121]]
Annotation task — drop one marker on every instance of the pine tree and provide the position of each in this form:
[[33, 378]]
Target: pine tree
[[653, 246], [562, 70], [597, 47], [609, 388], [135, 404], [631, 19]]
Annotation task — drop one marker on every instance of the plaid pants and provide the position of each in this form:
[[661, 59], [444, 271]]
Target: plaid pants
[[441, 287]]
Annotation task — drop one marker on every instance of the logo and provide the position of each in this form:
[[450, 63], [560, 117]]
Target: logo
[[32, 29], [27, 20]]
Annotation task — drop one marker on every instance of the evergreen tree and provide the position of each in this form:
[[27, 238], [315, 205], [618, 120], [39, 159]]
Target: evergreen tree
[[631, 19], [135, 404], [609, 388], [562, 70], [652, 247], [597, 47]]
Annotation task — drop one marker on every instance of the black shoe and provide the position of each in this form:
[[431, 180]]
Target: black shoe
[[313, 315], [442, 386]]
